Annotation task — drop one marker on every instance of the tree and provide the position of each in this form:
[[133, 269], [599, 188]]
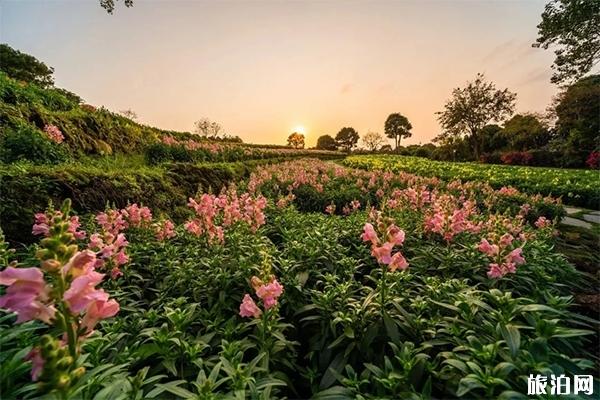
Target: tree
[[493, 139], [347, 138], [109, 5], [296, 140], [473, 107], [578, 114], [129, 114], [397, 126], [525, 132], [207, 128], [326, 142], [372, 140], [574, 26], [24, 67]]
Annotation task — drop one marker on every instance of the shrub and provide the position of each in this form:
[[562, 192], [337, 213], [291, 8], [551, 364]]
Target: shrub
[[593, 160], [516, 158], [27, 143]]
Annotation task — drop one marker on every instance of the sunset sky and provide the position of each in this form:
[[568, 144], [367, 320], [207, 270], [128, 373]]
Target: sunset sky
[[262, 68]]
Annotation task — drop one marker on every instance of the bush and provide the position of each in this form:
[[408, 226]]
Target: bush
[[29, 144], [516, 158], [491, 158], [593, 160]]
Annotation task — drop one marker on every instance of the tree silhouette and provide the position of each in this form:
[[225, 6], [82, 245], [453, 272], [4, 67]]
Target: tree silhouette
[[473, 107], [296, 140], [347, 138], [373, 140], [574, 26], [326, 142], [397, 127]]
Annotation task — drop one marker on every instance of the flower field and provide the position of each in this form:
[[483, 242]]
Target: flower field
[[575, 187], [306, 280]]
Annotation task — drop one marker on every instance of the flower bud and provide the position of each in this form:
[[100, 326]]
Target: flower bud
[[64, 363], [50, 265], [78, 372], [48, 342], [63, 381]]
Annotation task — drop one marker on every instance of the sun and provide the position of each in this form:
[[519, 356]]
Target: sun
[[300, 129]]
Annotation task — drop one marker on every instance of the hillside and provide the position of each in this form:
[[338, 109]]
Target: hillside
[[86, 129]]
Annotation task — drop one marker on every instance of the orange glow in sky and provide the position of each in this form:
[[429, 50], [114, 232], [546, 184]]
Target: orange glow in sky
[[264, 69]]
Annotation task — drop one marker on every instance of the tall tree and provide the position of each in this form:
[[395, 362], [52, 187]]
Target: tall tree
[[573, 26], [347, 138], [397, 127], [296, 140], [24, 67], [373, 140], [207, 128], [578, 114], [473, 107], [526, 132], [326, 142]]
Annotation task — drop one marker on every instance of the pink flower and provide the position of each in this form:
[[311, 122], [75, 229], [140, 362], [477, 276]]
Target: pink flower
[[26, 294], [98, 309], [369, 234], [487, 248], [53, 133], [269, 293], [516, 257], [80, 264], [37, 362], [542, 222], [395, 235], [330, 209], [121, 258], [383, 253], [40, 227], [506, 240], [398, 262], [248, 308], [499, 270], [74, 224], [495, 271], [83, 291]]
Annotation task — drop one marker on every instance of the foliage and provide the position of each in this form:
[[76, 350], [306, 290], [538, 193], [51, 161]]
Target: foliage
[[524, 132], [109, 5], [573, 26], [373, 140], [397, 127], [296, 140], [332, 319], [575, 187], [28, 144], [207, 128], [24, 67], [347, 138], [473, 107], [516, 158], [578, 120], [326, 142]]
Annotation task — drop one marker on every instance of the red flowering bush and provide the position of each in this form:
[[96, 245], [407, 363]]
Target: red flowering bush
[[593, 160], [516, 158]]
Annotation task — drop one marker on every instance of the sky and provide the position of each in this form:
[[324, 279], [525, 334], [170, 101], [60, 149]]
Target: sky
[[265, 68]]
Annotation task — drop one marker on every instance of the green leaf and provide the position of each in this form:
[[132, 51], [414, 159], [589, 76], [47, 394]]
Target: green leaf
[[511, 335]]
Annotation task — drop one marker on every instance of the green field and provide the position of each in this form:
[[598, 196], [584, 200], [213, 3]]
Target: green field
[[575, 186]]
